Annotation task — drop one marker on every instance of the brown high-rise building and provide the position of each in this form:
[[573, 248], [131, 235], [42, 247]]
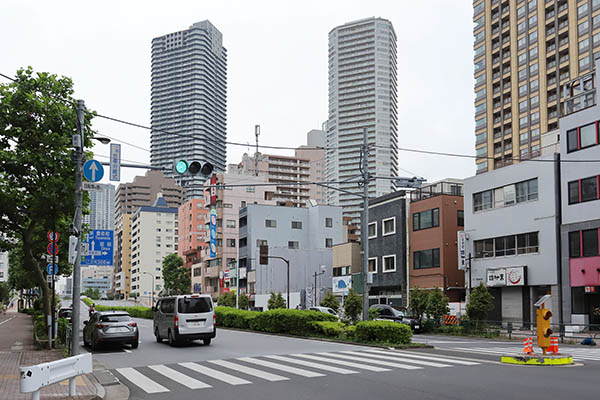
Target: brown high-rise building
[[524, 52]]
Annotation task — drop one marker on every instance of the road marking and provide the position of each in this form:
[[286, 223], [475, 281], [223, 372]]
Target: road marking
[[250, 371], [368, 360], [127, 351], [11, 318], [401, 359], [341, 362], [213, 373], [314, 365], [281, 367], [179, 377], [442, 359], [141, 381]]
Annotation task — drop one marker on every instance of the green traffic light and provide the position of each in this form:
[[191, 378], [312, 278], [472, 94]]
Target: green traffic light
[[181, 167]]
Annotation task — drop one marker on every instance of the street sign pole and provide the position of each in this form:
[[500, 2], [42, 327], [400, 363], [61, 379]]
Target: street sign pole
[[53, 287]]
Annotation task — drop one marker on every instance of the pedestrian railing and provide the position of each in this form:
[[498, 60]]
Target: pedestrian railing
[[515, 328], [35, 377]]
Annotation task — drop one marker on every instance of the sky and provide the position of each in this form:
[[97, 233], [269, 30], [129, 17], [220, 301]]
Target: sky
[[276, 72]]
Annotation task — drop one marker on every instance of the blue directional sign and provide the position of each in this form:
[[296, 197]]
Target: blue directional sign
[[98, 249], [49, 269], [93, 171]]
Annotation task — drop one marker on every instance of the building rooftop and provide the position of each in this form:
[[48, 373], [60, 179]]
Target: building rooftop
[[452, 187]]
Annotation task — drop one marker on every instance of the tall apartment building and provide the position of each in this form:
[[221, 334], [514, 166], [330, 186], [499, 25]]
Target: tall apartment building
[[524, 52], [3, 266], [189, 107], [308, 165], [102, 208], [128, 198], [362, 94]]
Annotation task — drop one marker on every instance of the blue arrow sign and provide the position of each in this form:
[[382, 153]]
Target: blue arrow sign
[[93, 170], [99, 246], [49, 269]]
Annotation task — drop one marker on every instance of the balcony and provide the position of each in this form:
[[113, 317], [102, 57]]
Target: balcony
[[437, 189], [211, 272], [578, 94]]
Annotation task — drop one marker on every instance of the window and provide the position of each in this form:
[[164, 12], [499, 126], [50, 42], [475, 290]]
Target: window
[[533, 37], [242, 204], [230, 223], [480, 50], [522, 74], [389, 263], [328, 222], [506, 195], [480, 108], [507, 245], [522, 58], [243, 242], [523, 90], [582, 10], [261, 242], [373, 264], [293, 245], [482, 166], [584, 45], [584, 63], [521, 27], [481, 138], [534, 85], [481, 152], [243, 221], [250, 189], [296, 224], [270, 223], [522, 105], [328, 242], [535, 117], [480, 93], [589, 242], [460, 216], [535, 100], [372, 230], [480, 80], [533, 20], [480, 36], [480, 123], [520, 11], [527, 243], [582, 28], [426, 219], [589, 189], [389, 226], [479, 65], [574, 244], [521, 43], [573, 188], [587, 135], [426, 259], [230, 242]]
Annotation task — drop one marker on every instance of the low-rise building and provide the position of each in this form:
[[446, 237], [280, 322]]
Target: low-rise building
[[97, 277], [192, 238], [346, 261]]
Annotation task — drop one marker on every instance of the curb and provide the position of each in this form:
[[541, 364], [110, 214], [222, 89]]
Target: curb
[[538, 359]]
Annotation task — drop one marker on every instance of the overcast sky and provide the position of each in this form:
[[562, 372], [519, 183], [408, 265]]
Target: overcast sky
[[277, 67]]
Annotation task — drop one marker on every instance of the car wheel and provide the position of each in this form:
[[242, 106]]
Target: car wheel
[[207, 341], [93, 344], [171, 339], [135, 343], [157, 336]]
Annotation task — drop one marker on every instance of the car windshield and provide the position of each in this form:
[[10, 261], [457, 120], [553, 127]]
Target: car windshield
[[398, 313], [115, 318], [193, 305]]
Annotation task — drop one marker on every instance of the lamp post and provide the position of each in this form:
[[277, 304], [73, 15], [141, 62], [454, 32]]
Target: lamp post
[[152, 291], [237, 282], [315, 276]]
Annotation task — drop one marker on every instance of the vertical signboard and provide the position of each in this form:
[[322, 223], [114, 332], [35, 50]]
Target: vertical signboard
[[213, 190], [462, 250], [115, 162], [213, 232]]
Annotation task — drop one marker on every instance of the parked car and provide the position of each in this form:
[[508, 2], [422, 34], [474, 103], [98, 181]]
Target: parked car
[[388, 312], [184, 318], [106, 327], [65, 313], [326, 310]]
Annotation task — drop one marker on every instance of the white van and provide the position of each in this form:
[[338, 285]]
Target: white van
[[185, 317]]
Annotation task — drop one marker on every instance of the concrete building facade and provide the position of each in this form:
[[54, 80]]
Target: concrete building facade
[[102, 208], [192, 238], [96, 277], [189, 101], [3, 266]]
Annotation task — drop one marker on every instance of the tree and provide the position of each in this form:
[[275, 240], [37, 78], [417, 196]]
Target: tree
[[93, 294], [276, 301], [330, 301], [244, 301], [175, 276], [37, 121], [4, 292], [481, 302], [437, 305], [418, 302], [353, 306], [226, 300]]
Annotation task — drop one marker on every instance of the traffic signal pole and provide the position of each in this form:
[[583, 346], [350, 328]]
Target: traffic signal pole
[[365, 225]]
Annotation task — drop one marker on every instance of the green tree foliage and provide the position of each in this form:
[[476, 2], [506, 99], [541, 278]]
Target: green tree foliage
[[93, 294], [481, 302], [37, 120], [4, 292], [276, 301], [373, 313], [418, 302], [176, 277], [226, 300], [437, 305], [353, 306], [244, 301], [330, 301]]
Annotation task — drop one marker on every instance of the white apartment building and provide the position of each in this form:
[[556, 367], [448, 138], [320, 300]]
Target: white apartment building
[[154, 235], [3, 266], [362, 94], [102, 208]]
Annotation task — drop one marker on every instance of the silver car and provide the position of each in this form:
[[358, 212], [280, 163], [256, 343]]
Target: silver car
[[106, 327], [184, 318]]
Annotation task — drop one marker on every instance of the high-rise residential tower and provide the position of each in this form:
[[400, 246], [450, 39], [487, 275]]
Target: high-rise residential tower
[[102, 208], [189, 107], [524, 52], [362, 94]]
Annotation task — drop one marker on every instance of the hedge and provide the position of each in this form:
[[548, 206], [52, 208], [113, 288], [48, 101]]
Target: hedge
[[295, 322], [233, 318], [329, 328], [136, 311], [383, 332]]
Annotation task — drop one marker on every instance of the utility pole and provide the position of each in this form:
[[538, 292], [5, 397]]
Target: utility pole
[[256, 133], [78, 160], [364, 234], [315, 274], [53, 309]]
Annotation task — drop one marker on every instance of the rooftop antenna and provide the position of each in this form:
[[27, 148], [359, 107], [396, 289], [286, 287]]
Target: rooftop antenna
[[257, 134]]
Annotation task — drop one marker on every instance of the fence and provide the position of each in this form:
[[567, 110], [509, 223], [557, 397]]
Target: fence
[[524, 328]]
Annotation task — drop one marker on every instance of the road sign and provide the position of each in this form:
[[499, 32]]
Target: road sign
[[99, 248], [93, 171], [73, 249], [52, 249], [53, 236], [49, 269], [115, 162], [92, 187], [49, 258]]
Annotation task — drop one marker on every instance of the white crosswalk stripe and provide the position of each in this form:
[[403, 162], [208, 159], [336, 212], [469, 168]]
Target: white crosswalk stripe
[[394, 359], [250, 371], [341, 362], [179, 377], [310, 364], [370, 360], [141, 381], [281, 367], [215, 374], [418, 356]]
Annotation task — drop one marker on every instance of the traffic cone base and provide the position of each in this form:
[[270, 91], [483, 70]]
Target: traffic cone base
[[553, 349], [528, 346]]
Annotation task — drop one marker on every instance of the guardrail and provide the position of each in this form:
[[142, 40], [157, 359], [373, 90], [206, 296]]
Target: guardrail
[[35, 377], [522, 328]]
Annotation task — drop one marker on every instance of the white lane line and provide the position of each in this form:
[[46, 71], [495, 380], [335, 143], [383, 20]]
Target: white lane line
[[370, 360], [400, 359], [341, 362], [281, 367], [215, 374], [179, 377], [410, 355], [249, 371], [314, 365], [11, 318], [141, 380]]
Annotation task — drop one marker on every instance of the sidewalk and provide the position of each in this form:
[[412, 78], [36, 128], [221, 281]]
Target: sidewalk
[[17, 349]]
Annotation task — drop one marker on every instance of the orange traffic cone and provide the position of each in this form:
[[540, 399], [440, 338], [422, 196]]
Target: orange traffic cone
[[553, 349], [528, 346]]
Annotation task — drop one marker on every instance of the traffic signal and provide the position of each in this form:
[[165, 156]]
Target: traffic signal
[[264, 254], [543, 317], [193, 168]]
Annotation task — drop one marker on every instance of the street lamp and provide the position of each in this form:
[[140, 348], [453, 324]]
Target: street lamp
[[152, 291], [315, 276], [237, 282], [101, 139]]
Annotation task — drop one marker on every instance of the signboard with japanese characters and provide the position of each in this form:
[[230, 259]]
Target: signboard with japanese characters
[[506, 276]]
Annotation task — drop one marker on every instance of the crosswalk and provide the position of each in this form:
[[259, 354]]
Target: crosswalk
[[579, 354], [276, 368]]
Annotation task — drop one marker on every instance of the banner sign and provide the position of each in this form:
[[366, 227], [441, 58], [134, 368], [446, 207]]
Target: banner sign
[[213, 190], [213, 233], [509, 276], [341, 284], [462, 250]]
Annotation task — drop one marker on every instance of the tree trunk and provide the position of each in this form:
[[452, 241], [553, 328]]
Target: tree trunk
[[30, 263]]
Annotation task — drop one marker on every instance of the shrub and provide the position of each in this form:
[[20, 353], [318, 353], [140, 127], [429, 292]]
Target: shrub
[[295, 322], [350, 332], [383, 332], [437, 305], [418, 302], [87, 301], [244, 301], [226, 300], [233, 318], [374, 313], [353, 305], [275, 301], [451, 330], [136, 312], [329, 328], [330, 301], [481, 302]]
